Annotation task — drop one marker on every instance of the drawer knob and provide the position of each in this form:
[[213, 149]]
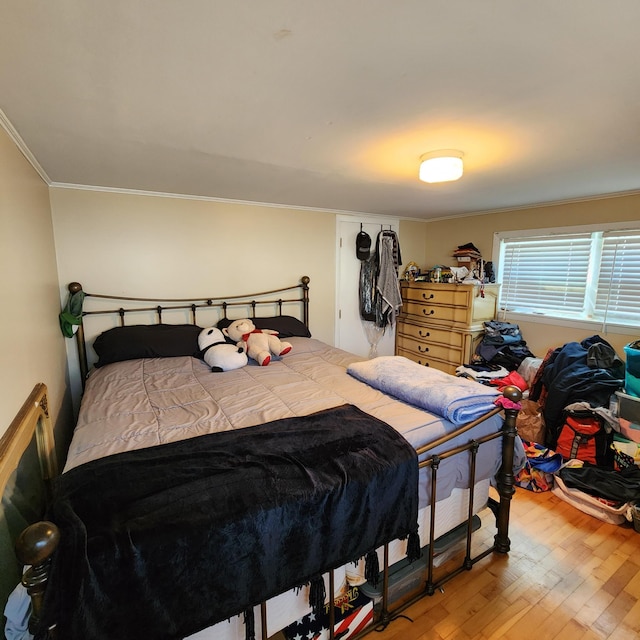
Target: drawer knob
[[429, 297], [428, 313], [421, 350], [426, 334], [424, 364]]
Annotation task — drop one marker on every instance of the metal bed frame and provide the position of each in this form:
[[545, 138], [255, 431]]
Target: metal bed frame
[[37, 543]]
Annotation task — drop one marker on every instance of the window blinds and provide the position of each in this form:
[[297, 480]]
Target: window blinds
[[545, 274], [617, 297], [586, 276]]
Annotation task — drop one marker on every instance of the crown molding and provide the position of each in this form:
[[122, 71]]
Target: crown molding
[[539, 205], [340, 212], [185, 196], [20, 143]]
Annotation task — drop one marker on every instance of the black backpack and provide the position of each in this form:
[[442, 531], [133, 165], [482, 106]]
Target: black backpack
[[619, 486]]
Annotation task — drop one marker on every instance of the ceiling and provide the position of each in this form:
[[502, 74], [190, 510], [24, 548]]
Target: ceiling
[[328, 103]]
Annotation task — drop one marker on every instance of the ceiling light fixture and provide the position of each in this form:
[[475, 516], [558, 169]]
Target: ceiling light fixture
[[441, 166]]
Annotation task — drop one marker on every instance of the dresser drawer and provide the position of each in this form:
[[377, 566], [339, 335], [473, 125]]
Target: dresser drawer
[[430, 334], [430, 349], [447, 367], [431, 313], [452, 296]]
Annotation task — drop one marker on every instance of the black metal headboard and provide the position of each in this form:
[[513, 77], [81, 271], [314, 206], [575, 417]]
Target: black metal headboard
[[273, 301]]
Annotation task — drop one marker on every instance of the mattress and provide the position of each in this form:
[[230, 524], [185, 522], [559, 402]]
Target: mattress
[[140, 403]]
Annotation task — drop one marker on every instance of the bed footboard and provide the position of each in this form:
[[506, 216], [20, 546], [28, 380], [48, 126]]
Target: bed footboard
[[505, 485], [38, 542], [506, 479]]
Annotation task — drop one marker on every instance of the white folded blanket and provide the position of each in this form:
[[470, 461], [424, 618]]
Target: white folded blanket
[[459, 400]]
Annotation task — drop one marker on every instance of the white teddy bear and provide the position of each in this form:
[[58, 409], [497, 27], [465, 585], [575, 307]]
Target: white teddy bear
[[219, 354], [258, 343]]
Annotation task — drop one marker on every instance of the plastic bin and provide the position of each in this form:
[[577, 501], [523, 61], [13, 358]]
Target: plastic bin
[[628, 407], [406, 577], [632, 374], [402, 581], [635, 517]]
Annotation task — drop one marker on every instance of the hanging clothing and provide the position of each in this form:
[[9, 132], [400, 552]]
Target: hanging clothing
[[387, 285], [397, 258], [71, 316], [379, 289], [367, 288]]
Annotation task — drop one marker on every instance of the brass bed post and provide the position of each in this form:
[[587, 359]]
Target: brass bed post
[[305, 299], [435, 464], [74, 287], [35, 546], [263, 619], [332, 613], [475, 446], [505, 478]]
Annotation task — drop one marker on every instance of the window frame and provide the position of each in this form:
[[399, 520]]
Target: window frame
[[550, 318]]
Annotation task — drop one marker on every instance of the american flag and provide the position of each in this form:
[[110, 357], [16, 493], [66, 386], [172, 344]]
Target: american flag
[[353, 611]]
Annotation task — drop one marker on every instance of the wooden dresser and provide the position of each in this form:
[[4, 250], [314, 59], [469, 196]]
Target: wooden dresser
[[441, 324]]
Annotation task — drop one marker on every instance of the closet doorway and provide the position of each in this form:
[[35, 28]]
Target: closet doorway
[[350, 333]]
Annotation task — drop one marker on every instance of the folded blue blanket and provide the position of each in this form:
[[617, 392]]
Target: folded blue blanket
[[459, 400]]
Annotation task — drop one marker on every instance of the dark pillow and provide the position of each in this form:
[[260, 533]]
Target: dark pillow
[[146, 341], [286, 326]]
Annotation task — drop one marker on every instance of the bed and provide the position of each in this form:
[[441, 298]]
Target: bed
[[369, 479]]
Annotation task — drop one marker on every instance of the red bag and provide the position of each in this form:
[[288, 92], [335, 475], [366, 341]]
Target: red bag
[[583, 437]]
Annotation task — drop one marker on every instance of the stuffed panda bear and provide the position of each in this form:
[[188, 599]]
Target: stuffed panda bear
[[219, 354]]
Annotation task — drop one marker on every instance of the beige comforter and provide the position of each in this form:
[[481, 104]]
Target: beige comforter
[[141, 403]]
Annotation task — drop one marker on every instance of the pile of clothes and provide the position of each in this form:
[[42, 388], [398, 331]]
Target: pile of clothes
[[578, 372], [498, 357], [573, 387], [502, 344]]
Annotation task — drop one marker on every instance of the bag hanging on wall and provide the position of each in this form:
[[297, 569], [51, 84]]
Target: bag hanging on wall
[[584, 436]]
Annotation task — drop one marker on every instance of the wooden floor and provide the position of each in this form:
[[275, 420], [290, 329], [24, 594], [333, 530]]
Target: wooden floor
[[568, 576]]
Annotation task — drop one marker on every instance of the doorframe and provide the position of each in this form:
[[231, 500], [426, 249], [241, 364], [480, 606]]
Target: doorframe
[[368, 218]]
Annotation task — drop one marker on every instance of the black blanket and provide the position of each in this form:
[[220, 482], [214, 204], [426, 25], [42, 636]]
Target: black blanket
[[165, 541]]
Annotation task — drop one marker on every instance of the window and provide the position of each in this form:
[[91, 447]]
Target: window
[[591, 275], [618, 287]]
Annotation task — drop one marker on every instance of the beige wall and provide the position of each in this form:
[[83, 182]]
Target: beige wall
[[412, 234], [442, 237], [142, 245], [31, 343], [130, 244], [134, 244]]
